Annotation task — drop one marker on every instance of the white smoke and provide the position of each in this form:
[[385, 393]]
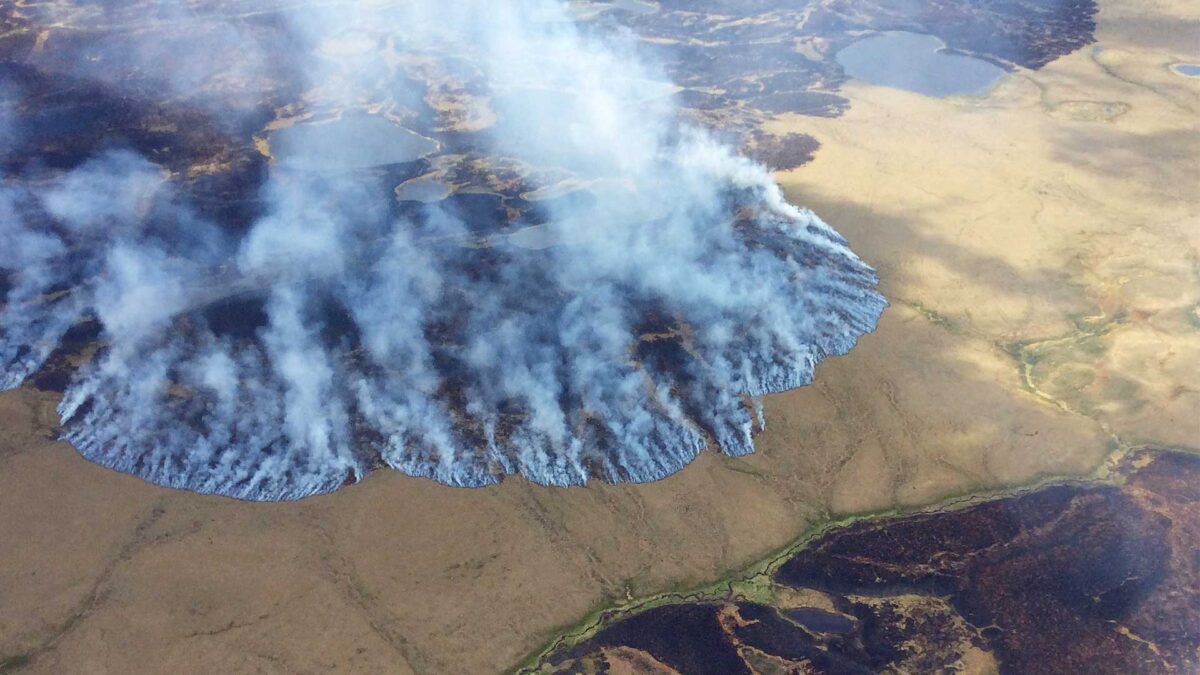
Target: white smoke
[[619, 350]]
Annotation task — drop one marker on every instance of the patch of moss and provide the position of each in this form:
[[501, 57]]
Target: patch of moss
[[937, 318], [758, 588], [10, 664], [740, 466], [1193, 316]]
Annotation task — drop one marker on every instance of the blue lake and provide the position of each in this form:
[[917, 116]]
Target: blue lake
[[916, 62], [422, 190], [1187, 69], [350, 142], [820, 620]]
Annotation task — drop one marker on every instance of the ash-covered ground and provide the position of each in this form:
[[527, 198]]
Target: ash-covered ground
[[266, 252], [266, 249]]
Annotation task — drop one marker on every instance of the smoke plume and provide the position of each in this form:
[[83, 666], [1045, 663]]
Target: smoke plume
[[663, 285]]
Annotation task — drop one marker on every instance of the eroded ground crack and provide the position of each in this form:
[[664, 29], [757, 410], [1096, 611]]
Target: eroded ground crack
[[139, 540]]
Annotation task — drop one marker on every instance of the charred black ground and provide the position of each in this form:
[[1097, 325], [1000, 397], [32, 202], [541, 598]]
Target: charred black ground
[[118, 81], [1065, 578]]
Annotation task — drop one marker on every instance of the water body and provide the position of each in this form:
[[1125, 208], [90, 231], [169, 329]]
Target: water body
[[349, 142], [1107, 547], [535, 237], [423, 189], [820, 620], [916, 62], [635, 6], [1187, 69]]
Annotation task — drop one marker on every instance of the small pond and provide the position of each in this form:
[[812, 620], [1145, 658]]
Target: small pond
[[916, 62], [1187, 69], [424, 189], [349, 142]]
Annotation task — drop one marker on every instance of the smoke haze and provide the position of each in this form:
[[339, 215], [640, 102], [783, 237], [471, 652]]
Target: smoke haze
[[665, 283]]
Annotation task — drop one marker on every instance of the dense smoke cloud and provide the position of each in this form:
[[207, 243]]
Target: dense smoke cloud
[[616, 337]]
